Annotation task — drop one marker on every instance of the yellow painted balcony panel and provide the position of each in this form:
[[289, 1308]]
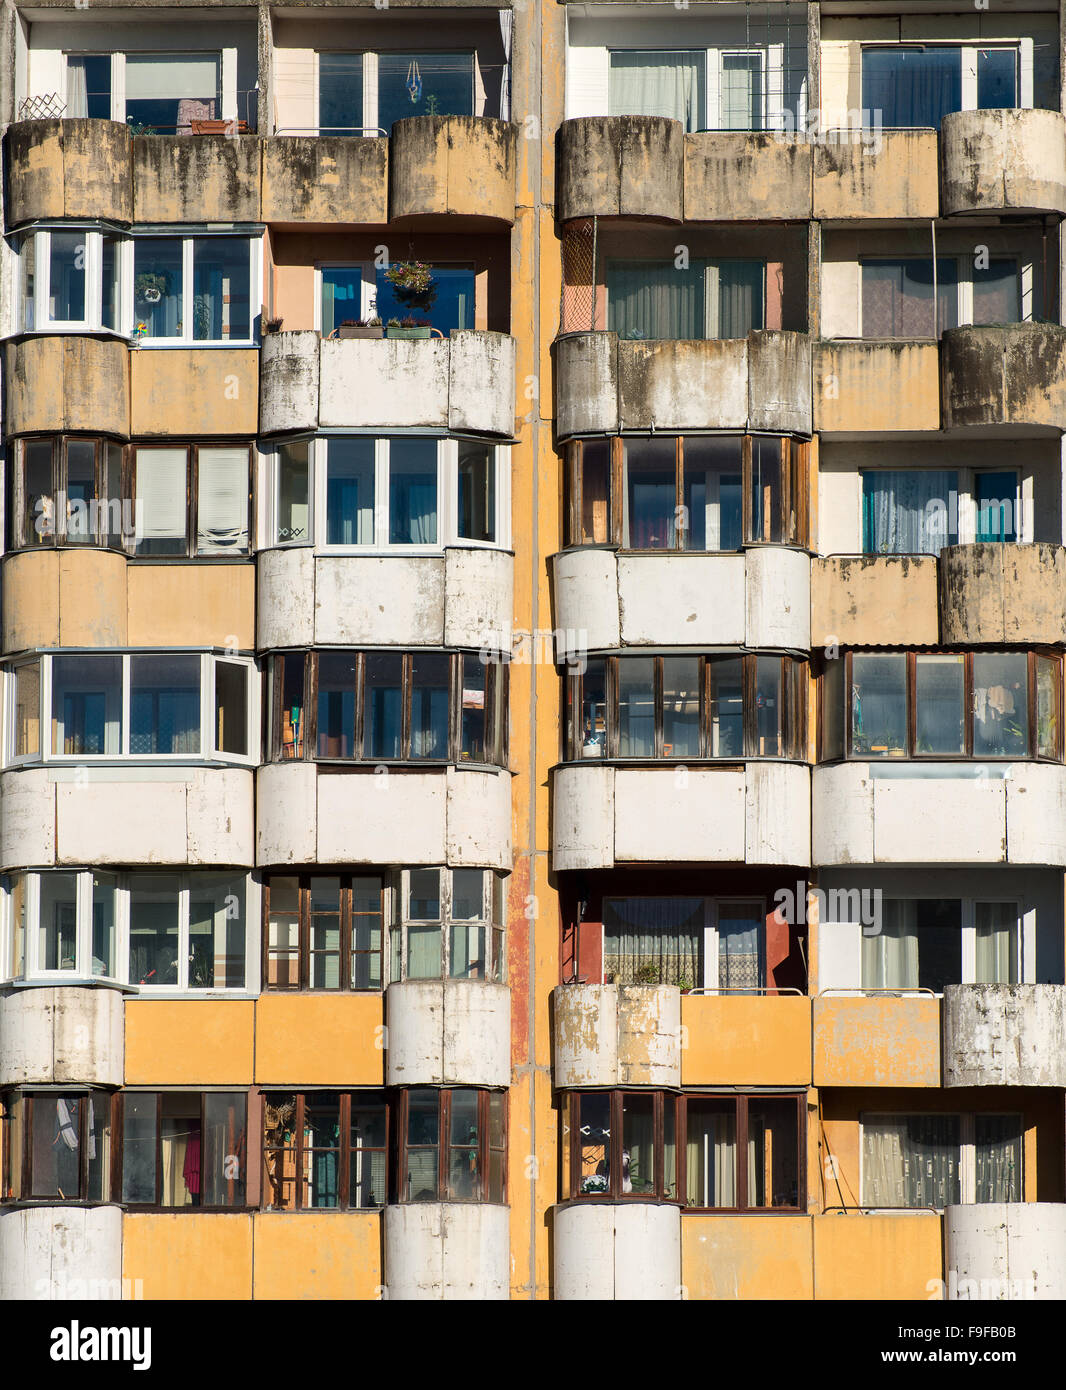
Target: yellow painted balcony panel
[[318, 1255], [68, 382], [448, 166], [188, 1255], [192, 605], [320, 1039], [747, 1257], [876, 1041], [1009, 375], [64, 598], [194, 391], [1009, 160], [875, 386], [317, 180], [745, 1040], [877, 1257], [189, 1042], [733, 176], [178, 178], [859, 600], [621, 166], [894, 176], [992, 593], [72, 169]]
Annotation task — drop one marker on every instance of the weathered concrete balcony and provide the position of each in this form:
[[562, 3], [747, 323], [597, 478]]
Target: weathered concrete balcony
[[877, 1256], [182, 178], [133, 815], [994, 593], [875, 386], [448, 1032], [61, 1252], [616, 1035], [448, 1251], [1010, 375], [875, 1040], [754, 813], [82, 597], [194, 391], [319, 180], [894, 177], [57, 1035], [1005, 1035], [746, 1040], [621, 166], [68, 170], [67, 382], [863, 600], [912, 813], [613, 1251], [464, 382], [734, 176], [605, 385], [1007, 160], [448, 815], [461, 598], [452, 166], [1006, 1251], [761, 598]]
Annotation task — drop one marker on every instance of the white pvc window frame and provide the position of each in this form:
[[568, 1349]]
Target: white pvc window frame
[[92, 320], [1025, 962], [227, 68], [186, 338], [1022, 46]]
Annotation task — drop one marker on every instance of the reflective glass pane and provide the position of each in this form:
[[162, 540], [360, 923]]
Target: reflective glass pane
[[38, 496], [940, 683], [337, 674], [342, 296], [55, 1159], [293, 513], [594, 524], [449, 303], [340, 94], [591, 734], [57, 925], [383, 705], [350, 491], [592, 1114], [289, 720], [879, 706], [636, 707], [367, 1162], [424, 84], [769, 707], [86, 705], [325, 933], [139, 1139], [911, 1160], [911, 86], [999, 1158], [221, 269], [464, 1166], [898, 300], [28, 709], [681, 707], [218, 931], [66, 277], [996, 500], [430, 677], [154, 906], [711, 1153], [477, 491], [322, 1149], [224, 1147], [367, 925], [420, 1183], [412, 491], [105, 890], [766, 490], [727, 707], [112, 281], [166, 92], [997, 292], [1048, 675], [1000, 705], [638, 1144], [89, 86], [99, 1146], [651, 493], [997, 946], [712, 483], [283, 933], [473, 705], [157, 286], [773, 1159], [741, 947], [997, 78], [164, 705], [231, 708], [82, 508]]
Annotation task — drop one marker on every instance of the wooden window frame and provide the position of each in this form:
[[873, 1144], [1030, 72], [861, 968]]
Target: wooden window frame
[[16, 494], [192, 494], [119, 1144], [301, 1150], [444, 1146], [303, 958], [30, 1098]]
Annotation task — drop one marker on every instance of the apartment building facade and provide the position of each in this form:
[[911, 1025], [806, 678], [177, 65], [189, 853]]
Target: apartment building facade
[[532, 651]]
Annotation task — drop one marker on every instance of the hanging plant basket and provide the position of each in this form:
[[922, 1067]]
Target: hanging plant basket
[[412, 283], [150, 287]]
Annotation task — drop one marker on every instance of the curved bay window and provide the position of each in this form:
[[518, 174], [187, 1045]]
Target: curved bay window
[[388, 706], [452, 1145], [72, 278], [55, 1146], [325, 1150], [687, 492], [943, 705], [686, 707], [731, 1153], [68, 490]]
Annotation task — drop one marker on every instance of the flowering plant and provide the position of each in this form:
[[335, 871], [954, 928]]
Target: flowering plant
[[412, 283]]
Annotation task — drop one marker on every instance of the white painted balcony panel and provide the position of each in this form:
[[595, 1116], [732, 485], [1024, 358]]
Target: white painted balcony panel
[[285, 598], [617, 1251], [478, 818], [448, 1032], [288, 382], [1005, 1035], [60, 1253], [665, 815], [60, 1035], [1006, 1251], [617, 1035], [478, 598], [681, 600], [388, 381], [379, 601], [582, 817], [777, 598], [286, 813], [586, 599], [448, 1251]]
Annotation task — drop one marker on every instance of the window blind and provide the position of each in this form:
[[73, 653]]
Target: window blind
[[222, 501], [160, 495]]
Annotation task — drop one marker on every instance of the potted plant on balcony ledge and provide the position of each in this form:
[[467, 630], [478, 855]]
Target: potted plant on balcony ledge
[[359, 328], [409, 328]]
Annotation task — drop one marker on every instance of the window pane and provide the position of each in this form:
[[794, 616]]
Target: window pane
[[89, 86], [727, 707], [423, 900], [161, 501], [430, 675], [897, 297], [769, 707], [55, 1160], [997, 78], [164, 705], [464, 1144], [28, 275], [86, 705], [940, 683], [711, 1153], [742, 96], [119, 526], [340, 94], [766, 482], [291, 725], [910, 1160], [833, 710], [66, 276], [139, 1138], [497, 1145], [593, 1121], [337, 673], [224, 1147], [80, 519], [468, 931], [231, 708], [105, 889], [655, 299], [424, 84], [154, 928], [342, 294], [636, 707], [1048, 672], [998, 1154], [294, 516], [712, 482], [681, 707], [112, 280], [181, 1149], [58, 927], [477, 491], [890, 958], [473, 736], [412, 491], [653, 940], [367, 927], [638, 1144], [322, 1149], [741, 297], [912, 86], [38, 519], [449, 304], [283, 933], [350, 491], [222, 501], [383, 705], [166, 92], [325, 933], [773, 1161], [157, 286], [217, 931], [1000, 703], [658, 83], [592, 734], [420, 1182], [222, 309], [998, 939], [741, 963], [99, 1147], [595, 466], [996, 498], [879, 706], [279, 1150], [368, 1185], [909, 511], [651, 493], [997, 292], [28, 709]]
